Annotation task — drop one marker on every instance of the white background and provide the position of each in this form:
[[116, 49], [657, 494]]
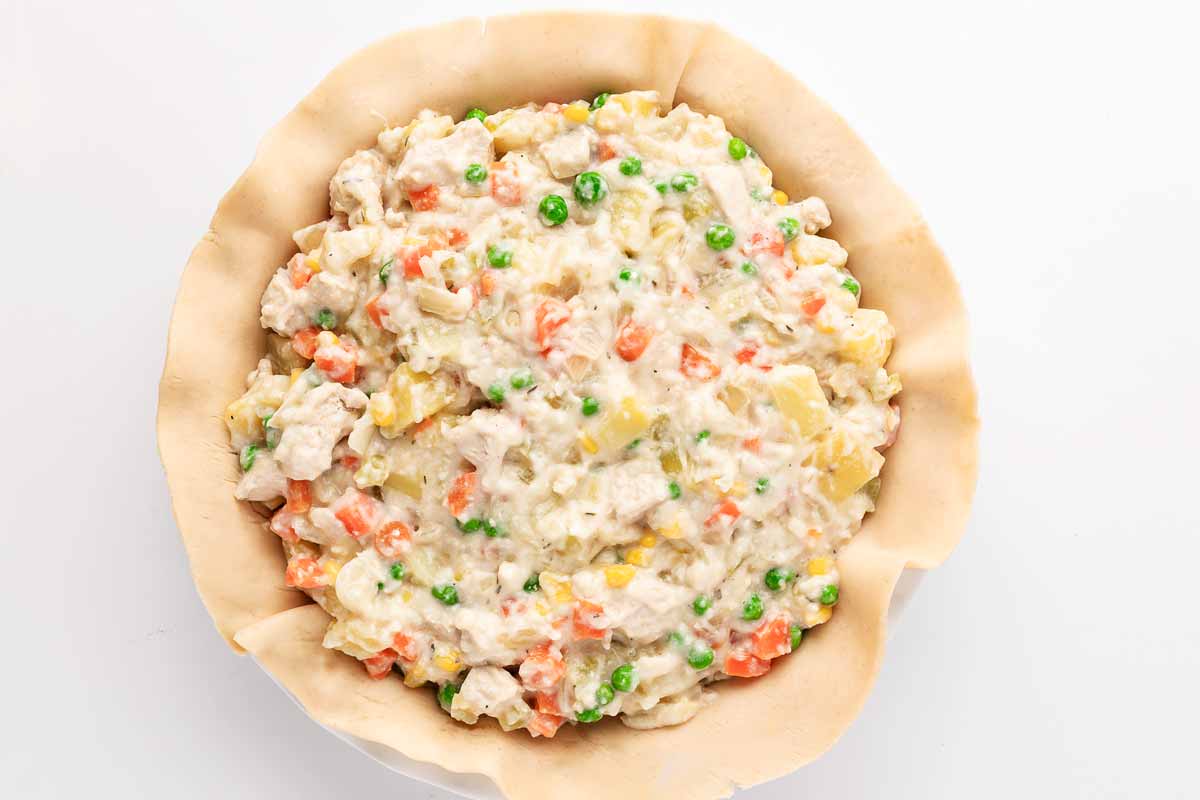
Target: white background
[[1053, 149]]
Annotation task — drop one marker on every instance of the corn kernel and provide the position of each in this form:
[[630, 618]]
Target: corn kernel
[[383, 409], [332, 568], [448, 661], [619, 575], [312, 263], [541, 607], [819, 566], [327, 339], [649, 540], [738, 489], [638, 556], [780, 197], [406, 595], [295, 376], [588, 443], [576, 113], [672, 531], [818, 616], [414, 676]]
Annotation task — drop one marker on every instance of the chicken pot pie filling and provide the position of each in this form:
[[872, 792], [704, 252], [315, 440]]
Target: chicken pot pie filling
[[566, 411]]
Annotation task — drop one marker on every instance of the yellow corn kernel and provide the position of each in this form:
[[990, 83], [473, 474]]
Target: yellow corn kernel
[[332, 568], [448, 661], [763, 172], [576, 112], [819, 565], [312, 263], [295, 376], [382, 408], [406, 595], [672, 531], [619, 575], [818, 617], [638, 556], [649, 540], [557, 587], [541, 607], [822, 322], [738, 489], [414, 676], [588, 443], [780, 197]]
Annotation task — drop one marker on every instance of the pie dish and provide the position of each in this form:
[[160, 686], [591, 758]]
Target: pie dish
[[931, 467]]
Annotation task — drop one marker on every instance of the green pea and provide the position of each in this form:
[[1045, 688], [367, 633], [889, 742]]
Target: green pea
[[589, 715], [630, 165], [762, 485], [790, 226], [748, 268], [633, 444], [532, 584], [629, 275], [590, 188], [776, 577], [829, 595], [499, 257], [397, 571], [701, 605], [326, 319], [446, 694], [552, 210], [248, 454], [700, 657], [757, 194], [590, 406], [476, 173], [753, 608], [379, 586], [702, 436], [385, 271], [674, 490], [604, 694], [851, 285], [476, 113], [719, 237], [446, 593], [521, 379], [737, 149], [675, 637], [495, 393], [797, 634], [600, 100], [684, 182], [470, 526], [491, 529], [622, 678], [661, 187]]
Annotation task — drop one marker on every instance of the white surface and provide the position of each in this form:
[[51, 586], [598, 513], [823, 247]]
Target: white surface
[[1053, 148]]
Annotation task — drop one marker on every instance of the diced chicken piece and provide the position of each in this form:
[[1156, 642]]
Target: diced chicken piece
[[357, 579], [643, 609], [286, 309], [310, 236], [263, 481], [511, 576], [728, 185], [634, 487], [341, 249], [313, 426], [355, 188], [443, 161], [483, 439], [813, 214], [486, 690], [569, 153]]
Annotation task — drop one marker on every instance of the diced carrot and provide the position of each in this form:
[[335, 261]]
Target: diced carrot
[[747, 353], [304, 573], [772, 639], [391, 541], [542, 668], [588, 621], [339, 362], [458, 238], [406, 646], [410, 256], [770, 242], [605, 151], [299, 496], [544, 725], [812, 303], [423, 425], [424, 199], [547, 703], [632, 340], [505, 185], [487, 283], [375, 312], [746, 665], [304, 342], [461, 492], [726, 510], [358, 512], [282, 525], [379, 666], [694, 364], [512, 605], [550, 315], [753, 445], [299, 271], [349, 462]]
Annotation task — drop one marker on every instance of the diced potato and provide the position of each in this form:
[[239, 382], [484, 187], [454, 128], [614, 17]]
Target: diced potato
[[666, 233], [848, 464], [408, 483], [244, 416], [414, 396], [670, 462], [524, 127], [797, 394], [867, 339], [623, 424], [557, 587], [631, 219], [810, 250], [699, 204], [373, 472]]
